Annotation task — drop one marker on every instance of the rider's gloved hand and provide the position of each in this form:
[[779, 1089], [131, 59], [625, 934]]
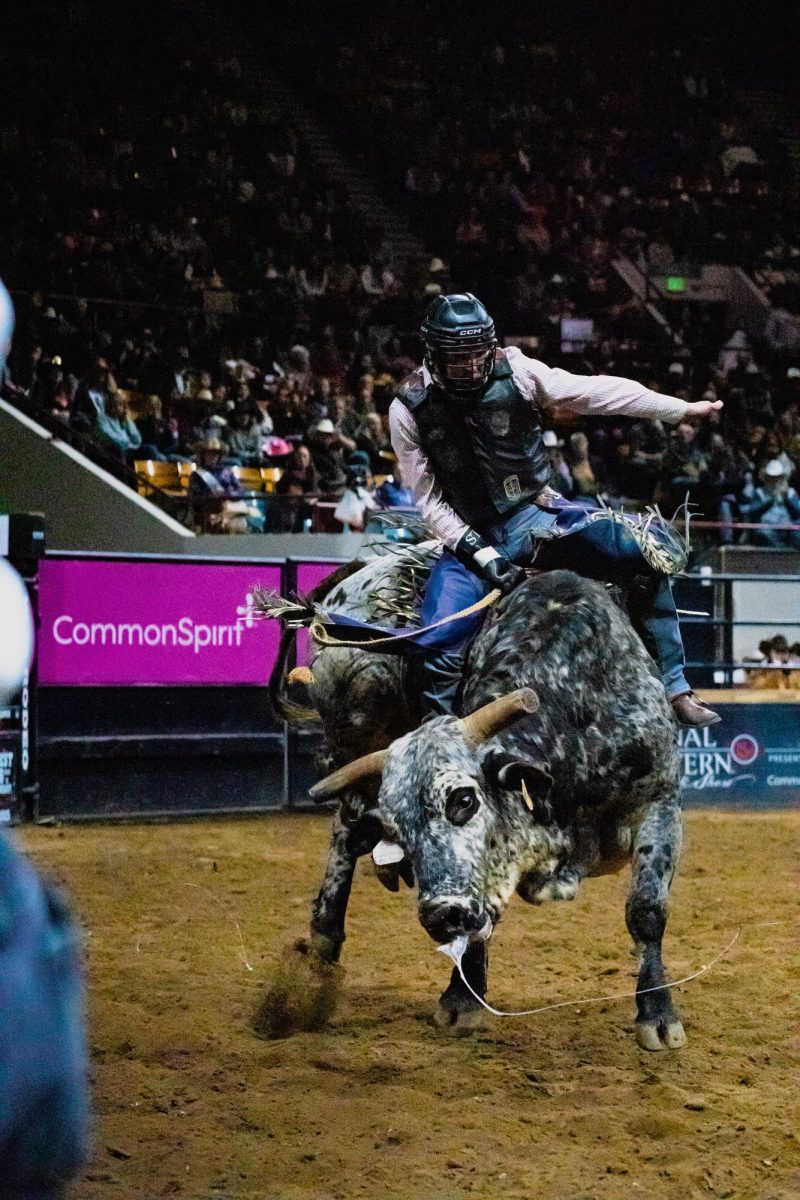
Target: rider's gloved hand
[[501, 573], [487, 561]]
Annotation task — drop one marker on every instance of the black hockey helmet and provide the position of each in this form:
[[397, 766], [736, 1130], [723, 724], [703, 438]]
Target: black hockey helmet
[[460, 343]]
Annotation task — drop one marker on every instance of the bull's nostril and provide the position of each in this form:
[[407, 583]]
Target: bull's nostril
[[454, 917], [446, 921]]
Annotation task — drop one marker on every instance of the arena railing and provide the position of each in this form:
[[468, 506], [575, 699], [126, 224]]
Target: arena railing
[[723, 623]]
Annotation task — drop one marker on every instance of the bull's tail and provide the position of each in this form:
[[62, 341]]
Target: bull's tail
[[284, 709], [295, 614]]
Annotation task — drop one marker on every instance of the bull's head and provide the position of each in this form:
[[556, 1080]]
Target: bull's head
[[438, 800]]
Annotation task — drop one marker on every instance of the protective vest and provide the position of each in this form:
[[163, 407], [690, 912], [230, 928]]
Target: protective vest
[[487, 454]]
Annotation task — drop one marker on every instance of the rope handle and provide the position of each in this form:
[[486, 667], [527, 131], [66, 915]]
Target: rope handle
[[318, 629]]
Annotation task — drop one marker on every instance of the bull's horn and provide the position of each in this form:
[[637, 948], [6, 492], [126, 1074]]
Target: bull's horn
[[301, 675], [479, 726], [346, 777]]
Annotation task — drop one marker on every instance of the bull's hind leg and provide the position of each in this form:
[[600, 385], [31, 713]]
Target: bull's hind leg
[[655, 856], [458, 1011]]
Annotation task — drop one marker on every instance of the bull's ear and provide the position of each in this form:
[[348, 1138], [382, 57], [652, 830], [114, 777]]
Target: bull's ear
[[536, 776], [512, 773]]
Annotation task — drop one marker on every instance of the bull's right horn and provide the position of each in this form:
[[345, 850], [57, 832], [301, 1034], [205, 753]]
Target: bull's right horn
[[366, 767], [485, 722]]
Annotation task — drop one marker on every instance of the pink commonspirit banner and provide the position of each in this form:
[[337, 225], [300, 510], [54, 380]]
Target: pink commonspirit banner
[[114, 623]]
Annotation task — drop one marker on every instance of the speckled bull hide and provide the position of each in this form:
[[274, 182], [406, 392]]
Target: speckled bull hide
[[514, 800]]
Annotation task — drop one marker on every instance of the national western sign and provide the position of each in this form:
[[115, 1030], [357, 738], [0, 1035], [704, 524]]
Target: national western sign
[[751, 757]]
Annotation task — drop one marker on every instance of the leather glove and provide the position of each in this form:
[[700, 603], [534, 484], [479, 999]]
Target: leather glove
[[487, 561], [501, 573]]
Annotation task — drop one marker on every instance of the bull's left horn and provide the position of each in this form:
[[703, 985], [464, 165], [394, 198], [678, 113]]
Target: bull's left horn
[[485, 722], [369, 766], [301, 675]]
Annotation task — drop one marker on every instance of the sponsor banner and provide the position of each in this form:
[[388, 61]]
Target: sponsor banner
[[115, 623], [751, 758]]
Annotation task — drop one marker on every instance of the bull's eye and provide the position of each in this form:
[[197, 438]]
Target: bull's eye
[[461, 805]]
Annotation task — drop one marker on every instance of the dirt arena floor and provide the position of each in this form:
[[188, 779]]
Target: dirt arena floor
[[184, 923]]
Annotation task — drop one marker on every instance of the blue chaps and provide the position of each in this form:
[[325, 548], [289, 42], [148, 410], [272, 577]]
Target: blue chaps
[[597, 549]]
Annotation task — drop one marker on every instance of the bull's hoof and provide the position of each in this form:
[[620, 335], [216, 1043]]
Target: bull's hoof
[[660, 1035], [302, 996], [458, 1016]]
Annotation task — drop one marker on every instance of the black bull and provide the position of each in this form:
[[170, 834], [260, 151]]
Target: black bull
[[528, 795]]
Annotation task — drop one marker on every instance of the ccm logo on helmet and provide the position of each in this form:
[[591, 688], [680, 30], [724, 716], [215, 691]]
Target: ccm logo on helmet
[[469, 332]]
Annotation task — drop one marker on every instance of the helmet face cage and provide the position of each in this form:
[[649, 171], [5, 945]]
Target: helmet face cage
[[460, 343], [460, 363]]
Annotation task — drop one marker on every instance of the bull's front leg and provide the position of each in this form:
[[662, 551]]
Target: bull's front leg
[[458, 1011], [656, 850], [349, 841], [330, 906], [305, 985]]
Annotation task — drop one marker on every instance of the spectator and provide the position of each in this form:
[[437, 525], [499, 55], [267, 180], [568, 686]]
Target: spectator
[[263, 418], [157, 433], [580, 468], [290, 512], [288, 413], [339, 412], [355, 501], [393, 492], [372, 440], [61, 401], [782, 335], [91, 396], [685, 463], [536, 233], [301, 467], [560, 477], [214, 491], [777, 665], [116, 432], [773, 503], [327, 454], [244, 436]]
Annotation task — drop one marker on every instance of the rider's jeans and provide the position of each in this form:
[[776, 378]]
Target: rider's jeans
[[602, 549]]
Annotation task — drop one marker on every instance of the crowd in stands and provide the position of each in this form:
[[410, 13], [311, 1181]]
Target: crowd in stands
[[191, 288], [776, 666]]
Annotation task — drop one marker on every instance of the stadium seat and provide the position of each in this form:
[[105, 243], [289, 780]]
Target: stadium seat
[[251, 478], [270, 476], [185, 470], [161, 475]]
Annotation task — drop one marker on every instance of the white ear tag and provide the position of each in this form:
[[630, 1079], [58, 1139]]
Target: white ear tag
[[387, 852]]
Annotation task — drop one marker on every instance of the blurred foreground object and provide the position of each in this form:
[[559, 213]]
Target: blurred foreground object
[[44, 1097], [16, 636]]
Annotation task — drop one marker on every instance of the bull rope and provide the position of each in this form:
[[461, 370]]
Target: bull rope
[[456, 948], [318, 629]]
